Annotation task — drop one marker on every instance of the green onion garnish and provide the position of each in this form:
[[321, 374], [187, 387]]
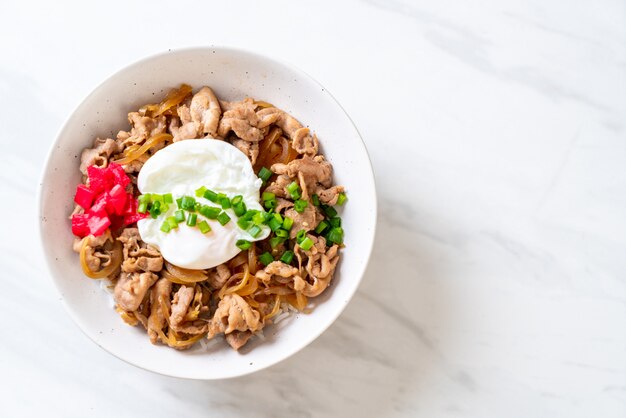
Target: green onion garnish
[[316, 200], [301, 235], [342, 199], [188, 202], [223, 218], [239, 208], [266, 258], [300, 205], [144, 198], [243, 244], [243, 223], [274, 224], [237, 199], [306, 244], [200, 191], [268, 196], [281, 233], [204, 227], [276, 241], [179, 215], [254, 231], [191, 219], [264, 174], [329, 211], [167, 198], [142, 208], [294, 190], [210, 211], [179, 202], [196, 207], [258, 218], [287, 223], [165, 227], [250, 214], [210, 195], [335, 235], [156, 197], [335, 222], [321, 227], [270, 204], [225, 202], [287, 257], [172, 221]]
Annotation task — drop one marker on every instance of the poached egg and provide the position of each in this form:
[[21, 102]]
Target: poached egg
[[182, 168]]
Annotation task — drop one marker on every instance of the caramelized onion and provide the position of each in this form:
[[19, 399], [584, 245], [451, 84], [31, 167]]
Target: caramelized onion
[[114, 262], [275, 308], [173, 98], [181, 275], [138, 152]]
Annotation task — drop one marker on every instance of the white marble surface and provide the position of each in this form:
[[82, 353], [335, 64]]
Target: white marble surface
[[497, 287]]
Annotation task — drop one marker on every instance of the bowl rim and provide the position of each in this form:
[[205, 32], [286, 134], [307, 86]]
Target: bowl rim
[[142, 61]]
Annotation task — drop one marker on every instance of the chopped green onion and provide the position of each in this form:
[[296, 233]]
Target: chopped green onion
[[287, 223], [156, 205], [321, 227], [335, 235], [179, 215], [306, 244], [142, 208], [294, 190], [287, 257], [300, 205], [254, 231], [223, 218], [191, 219], [188, 202], [165, 227], [156, 197], [270, 204], [281, 233], [179, 202], [266, 258], [221, 196], [204, 227], [243, 223], [200, 191], [210, 195], [225, 202], [276, 241], [264, 174], [239, 208], [210, 211], [258, 218], [301, 235], [172, 221], [167, 198], [144, 198], [237, 199], [316, 200], [329, 211], [196, 207], [243, 244], [335, 222], [268, 196], [154, 213], [250, 214], [274, 224], [342, 199], [278, 217]]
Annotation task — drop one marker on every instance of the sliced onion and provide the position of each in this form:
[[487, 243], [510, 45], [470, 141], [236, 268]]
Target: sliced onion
[[114, 262], [136, 153]]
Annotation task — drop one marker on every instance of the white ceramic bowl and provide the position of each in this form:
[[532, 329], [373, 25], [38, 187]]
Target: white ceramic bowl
[[232, 74]]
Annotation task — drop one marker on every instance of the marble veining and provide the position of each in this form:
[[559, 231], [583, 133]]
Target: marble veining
[[496, 130]]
